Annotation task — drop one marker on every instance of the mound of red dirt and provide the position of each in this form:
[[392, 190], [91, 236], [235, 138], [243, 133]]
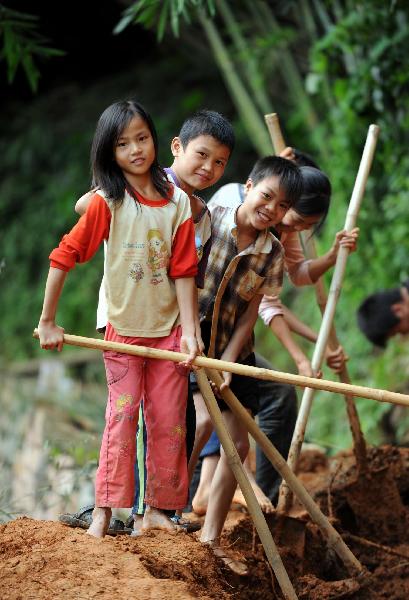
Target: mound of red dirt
[[43, 560]]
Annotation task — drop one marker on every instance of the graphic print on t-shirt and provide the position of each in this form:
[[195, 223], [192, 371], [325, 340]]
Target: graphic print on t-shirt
[[158, 257]]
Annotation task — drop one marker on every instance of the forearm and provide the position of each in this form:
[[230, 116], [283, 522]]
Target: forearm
[[242, 331], [318, 266], [281, 330], [297, 326], [53, 289], [186, 293]]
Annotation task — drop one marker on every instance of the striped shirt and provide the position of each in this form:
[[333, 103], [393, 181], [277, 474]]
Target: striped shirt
[[234, 278]]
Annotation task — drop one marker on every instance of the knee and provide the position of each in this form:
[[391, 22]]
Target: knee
[[204, 427], [242, 447]]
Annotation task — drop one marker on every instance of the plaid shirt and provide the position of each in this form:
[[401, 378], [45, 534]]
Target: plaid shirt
[[235, 278]]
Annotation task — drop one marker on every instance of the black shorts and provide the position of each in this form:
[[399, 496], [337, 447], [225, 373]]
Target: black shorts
[[244, 388]]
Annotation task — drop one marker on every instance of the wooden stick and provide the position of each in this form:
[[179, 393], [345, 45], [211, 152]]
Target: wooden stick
[[333, 342], [253, 506], [333, 538], [353, 417], [365, 542], [278, 142], [273, 125], [256, 372], [329, 312]]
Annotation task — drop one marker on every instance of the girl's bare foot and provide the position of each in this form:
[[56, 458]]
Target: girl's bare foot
[[137, 525], [154, 518], [239, 567], [100, 521], [264, 502]]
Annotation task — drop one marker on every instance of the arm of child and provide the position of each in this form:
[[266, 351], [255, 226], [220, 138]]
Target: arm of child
[[281, 330], [51, 335], [186, 293], [82, 204], [318, 266], [335, 359], [242, 332]]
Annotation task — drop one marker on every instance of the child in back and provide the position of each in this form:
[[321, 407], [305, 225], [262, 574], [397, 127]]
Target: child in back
[[150, 267], [384, 314]]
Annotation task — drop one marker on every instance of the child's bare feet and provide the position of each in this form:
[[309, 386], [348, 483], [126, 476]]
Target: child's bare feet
[[239, 567], [154, 518], [264, 502], [100, 522], [137, 525]]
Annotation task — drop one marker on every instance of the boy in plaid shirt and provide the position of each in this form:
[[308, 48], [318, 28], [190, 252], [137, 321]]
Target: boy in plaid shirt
[[245, 262]]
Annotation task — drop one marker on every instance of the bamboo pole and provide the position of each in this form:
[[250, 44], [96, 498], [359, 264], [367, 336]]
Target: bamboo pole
[[277, 139], [236, 466], [333, 342], [333, 538], [284, 501], [256, 372]]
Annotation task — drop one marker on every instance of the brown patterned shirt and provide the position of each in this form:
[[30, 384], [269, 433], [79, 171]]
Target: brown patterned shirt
[[233, 278]]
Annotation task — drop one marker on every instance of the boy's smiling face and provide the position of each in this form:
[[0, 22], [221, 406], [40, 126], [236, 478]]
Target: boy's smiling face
[[201, 163], [265, 204]]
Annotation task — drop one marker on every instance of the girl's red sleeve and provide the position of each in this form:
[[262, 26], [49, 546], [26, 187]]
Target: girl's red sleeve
[[84, 239], [183, 262]]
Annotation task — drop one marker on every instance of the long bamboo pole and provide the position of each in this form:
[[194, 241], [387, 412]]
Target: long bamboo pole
[[277, 139], [256, 372], [333, 538], [236, 466], [333, 342], [284, 501]]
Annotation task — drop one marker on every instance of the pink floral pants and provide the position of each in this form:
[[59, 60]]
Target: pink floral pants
[[163, 386]]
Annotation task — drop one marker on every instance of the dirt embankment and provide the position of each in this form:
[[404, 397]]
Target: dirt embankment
[[44, 560]]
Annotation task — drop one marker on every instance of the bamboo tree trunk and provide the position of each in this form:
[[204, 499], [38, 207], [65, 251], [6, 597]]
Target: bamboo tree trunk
[[290, 72], [245, 57], [247, 110]]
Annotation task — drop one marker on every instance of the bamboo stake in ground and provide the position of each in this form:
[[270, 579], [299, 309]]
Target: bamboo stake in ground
[[256, 372], [253, 506], [333, 538], [277, 139], [328, 317]]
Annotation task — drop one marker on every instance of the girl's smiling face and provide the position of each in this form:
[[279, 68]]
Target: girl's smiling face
[[134, 150]]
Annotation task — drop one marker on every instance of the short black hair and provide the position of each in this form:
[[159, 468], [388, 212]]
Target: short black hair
[[207, 122], [302, 159], [375, 316], [287, 171]]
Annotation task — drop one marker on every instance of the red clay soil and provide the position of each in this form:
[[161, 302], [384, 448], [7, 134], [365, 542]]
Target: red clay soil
[[45, 560]]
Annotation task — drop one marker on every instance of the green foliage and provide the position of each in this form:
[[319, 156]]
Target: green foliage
[[350, 64], [159, 14], [21, 44]]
